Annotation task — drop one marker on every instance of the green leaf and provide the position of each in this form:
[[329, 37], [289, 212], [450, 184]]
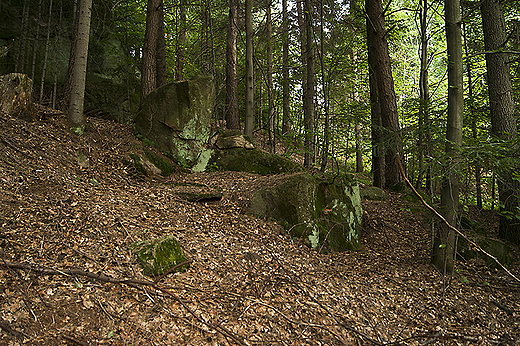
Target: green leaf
[[442, 246]]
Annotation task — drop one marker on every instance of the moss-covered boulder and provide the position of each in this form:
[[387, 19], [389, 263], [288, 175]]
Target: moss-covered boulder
[[157, 256], [326, 215], [177, 118], [252, 161]]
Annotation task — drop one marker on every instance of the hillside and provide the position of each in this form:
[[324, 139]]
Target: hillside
[[67, 278]]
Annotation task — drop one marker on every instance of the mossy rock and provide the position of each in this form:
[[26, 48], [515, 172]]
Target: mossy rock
[[252, 161], [326, 216], [157, 256]]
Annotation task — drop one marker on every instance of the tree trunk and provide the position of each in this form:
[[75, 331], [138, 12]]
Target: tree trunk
[[36, 40], [286, 125], [162, 75], [232, 117], [326, 126], [423, 144], [444, 245], [303, 53], [473, 115], [44, 69], [378, 145], [270, 87], [250, 85], [181, 42], [382, 73], [56, 63], [75, 116], [20, 61], [149, 68], [503, 122], [309, 97], [359, 152]]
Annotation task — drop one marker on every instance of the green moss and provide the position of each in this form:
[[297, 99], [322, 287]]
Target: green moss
[[160, 162], [158, 256], [138, 164], [253, 161]]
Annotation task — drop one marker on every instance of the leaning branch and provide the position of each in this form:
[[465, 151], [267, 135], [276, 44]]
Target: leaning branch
[[471, 242]]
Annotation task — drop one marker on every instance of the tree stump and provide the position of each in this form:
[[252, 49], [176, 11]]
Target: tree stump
[[16, 96]]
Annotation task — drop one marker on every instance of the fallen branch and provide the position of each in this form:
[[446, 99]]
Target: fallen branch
[[471, 242], [130, 282]]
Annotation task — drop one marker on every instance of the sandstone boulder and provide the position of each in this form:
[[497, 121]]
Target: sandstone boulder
[[177, 119]]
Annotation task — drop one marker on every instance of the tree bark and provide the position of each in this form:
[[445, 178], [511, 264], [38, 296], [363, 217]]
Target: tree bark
[[232, 117], [162, 75], [326, 126], [36, 40], [270, 87], [382, 73], [309, 156], [20, 61], [423, 145], [149, 68], [47, 42], [503, 122], [250, 85], [444, 245], [181, 41], [75, 116], [286, 125]]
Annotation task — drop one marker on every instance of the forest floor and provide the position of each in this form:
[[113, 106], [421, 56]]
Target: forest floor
[[67, 277]]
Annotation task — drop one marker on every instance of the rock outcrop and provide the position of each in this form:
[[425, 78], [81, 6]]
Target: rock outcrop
[[326, 215], [177, 119]]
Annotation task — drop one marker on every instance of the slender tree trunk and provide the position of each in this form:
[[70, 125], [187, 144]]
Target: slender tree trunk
[[232, 117], [44, 69], [423, 144], [303, 53], [72, 57], [162, 75], [326, 126], [444, 245], [181, 41], [270, 87], [36, 40], [286, 125], [384, 82], [57, 50], [359, 152], [473, 116], [20, 61], [309, 106], [149, 68], [250, 85], [75, 116], [503, 122]]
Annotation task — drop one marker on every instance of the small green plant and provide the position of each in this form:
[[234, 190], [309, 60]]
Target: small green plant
[[78, 130], [213, 167]]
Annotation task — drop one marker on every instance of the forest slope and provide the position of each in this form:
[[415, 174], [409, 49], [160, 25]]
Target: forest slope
[[68, 227]]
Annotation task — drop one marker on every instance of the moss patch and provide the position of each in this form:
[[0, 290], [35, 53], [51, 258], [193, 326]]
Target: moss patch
[[252, 161], [158, 256]]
